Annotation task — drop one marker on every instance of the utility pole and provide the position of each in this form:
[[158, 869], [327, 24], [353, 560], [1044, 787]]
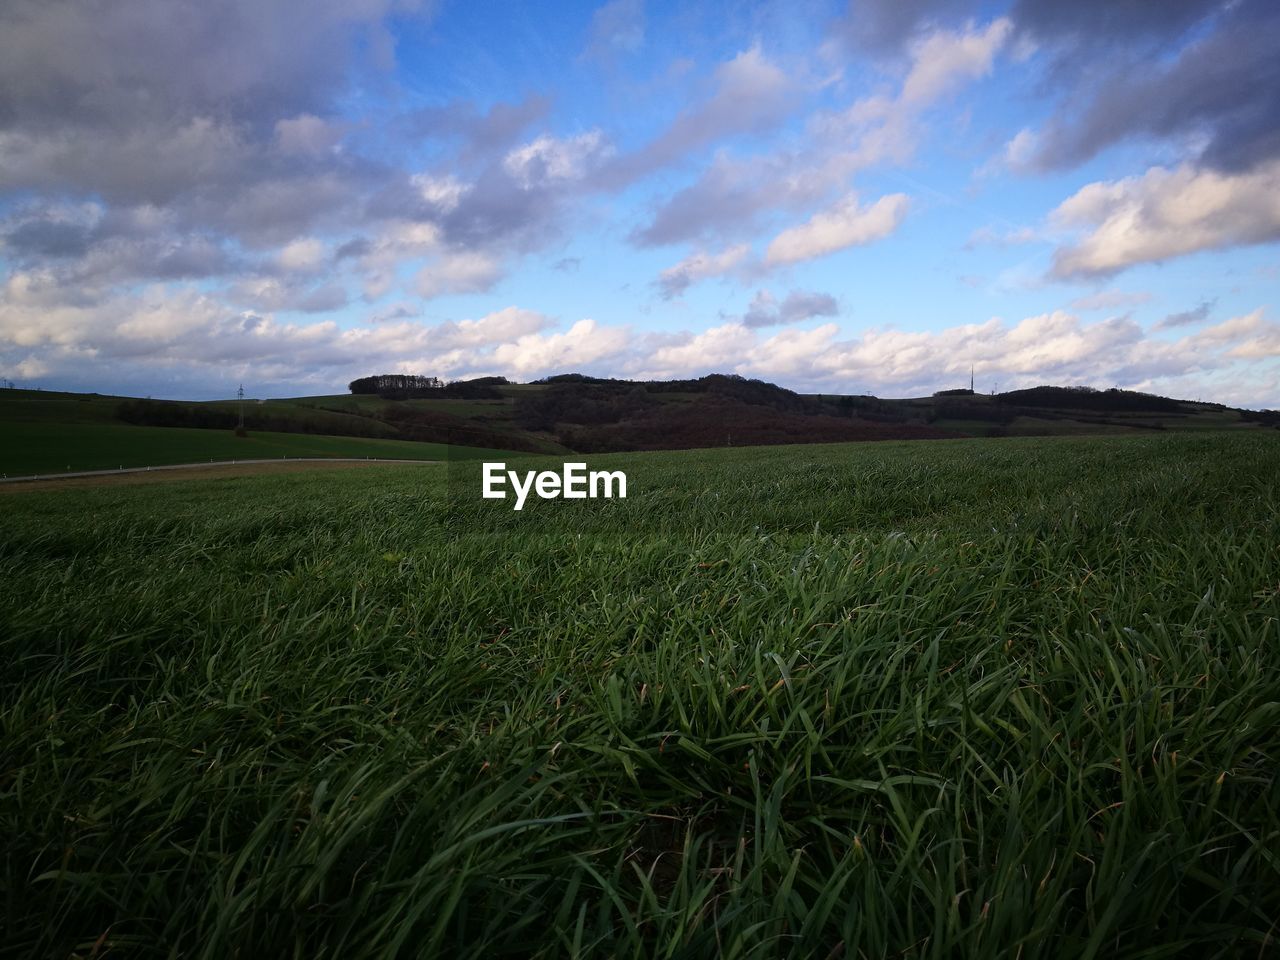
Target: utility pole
[[971, 378]]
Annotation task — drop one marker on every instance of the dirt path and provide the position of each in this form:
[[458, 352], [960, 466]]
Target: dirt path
[[189, 471]]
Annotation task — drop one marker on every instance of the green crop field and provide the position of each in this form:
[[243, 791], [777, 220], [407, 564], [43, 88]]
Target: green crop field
[[1006, 698]]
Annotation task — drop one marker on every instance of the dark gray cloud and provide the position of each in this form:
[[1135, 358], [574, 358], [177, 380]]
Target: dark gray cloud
[[355, 247], [264, 211], [107, 63], [1101, 21], [46, 237], [1187, 317], [321, 299], [209, 135], [499, 209], [1222, 89], [396, 311], [480, 133], [798, 305], [514, 196], [714, 205], [180, 139], [86, 246], [1203, 71], [191, 258], [887, 26]]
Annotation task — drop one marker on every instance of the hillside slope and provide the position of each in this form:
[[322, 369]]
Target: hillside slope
[[574, 413]]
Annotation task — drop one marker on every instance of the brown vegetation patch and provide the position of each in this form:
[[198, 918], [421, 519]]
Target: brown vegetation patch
[[210, 472]]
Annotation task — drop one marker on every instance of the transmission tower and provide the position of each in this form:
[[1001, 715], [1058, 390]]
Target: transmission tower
[[240, 397]]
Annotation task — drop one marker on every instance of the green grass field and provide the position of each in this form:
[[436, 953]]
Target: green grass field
[[1006, 698]]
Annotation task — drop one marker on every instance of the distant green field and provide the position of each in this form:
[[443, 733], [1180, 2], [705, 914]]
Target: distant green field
[[1013, 698], [310, 417], [48, 432], [47, 406], [29, 448], [352, 403]]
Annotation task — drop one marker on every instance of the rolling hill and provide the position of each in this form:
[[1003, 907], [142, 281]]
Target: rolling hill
[[47, 430]]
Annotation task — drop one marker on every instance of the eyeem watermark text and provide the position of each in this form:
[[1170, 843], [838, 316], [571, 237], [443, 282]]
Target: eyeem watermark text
[[574, 483]]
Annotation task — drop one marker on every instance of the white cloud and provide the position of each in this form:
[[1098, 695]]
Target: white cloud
[[584, 343], [885, 128], [500, 327], [307, 135], [1165, 214], [396, 242], [719, 348], [31, 368], [943, 59], [164, 329], [548, 159], [467, 272], [286, 293], [846, 224], [444, 193], [301, 256], [1249, 336], [1050, 348], [699, 266], [1020, 151]]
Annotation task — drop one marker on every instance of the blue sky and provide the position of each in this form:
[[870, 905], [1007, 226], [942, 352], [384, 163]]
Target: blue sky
[[864, 197]]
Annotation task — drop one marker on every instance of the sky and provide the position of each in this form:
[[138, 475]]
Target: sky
[[876, 196]]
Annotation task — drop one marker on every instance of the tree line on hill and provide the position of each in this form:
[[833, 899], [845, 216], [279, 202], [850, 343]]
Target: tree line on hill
[[1113, 400], [170, 413], [393, 422], [401, 386], [595, 414], [398, 382], [578, 399]]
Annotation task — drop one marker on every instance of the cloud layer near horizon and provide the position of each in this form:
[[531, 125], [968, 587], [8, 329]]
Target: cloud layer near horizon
[[188, 338]]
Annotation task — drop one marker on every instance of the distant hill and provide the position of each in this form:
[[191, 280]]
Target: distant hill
[[578, 413], [591, 414]]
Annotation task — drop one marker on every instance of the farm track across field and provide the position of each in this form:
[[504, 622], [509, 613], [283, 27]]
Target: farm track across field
[[211, 465]]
